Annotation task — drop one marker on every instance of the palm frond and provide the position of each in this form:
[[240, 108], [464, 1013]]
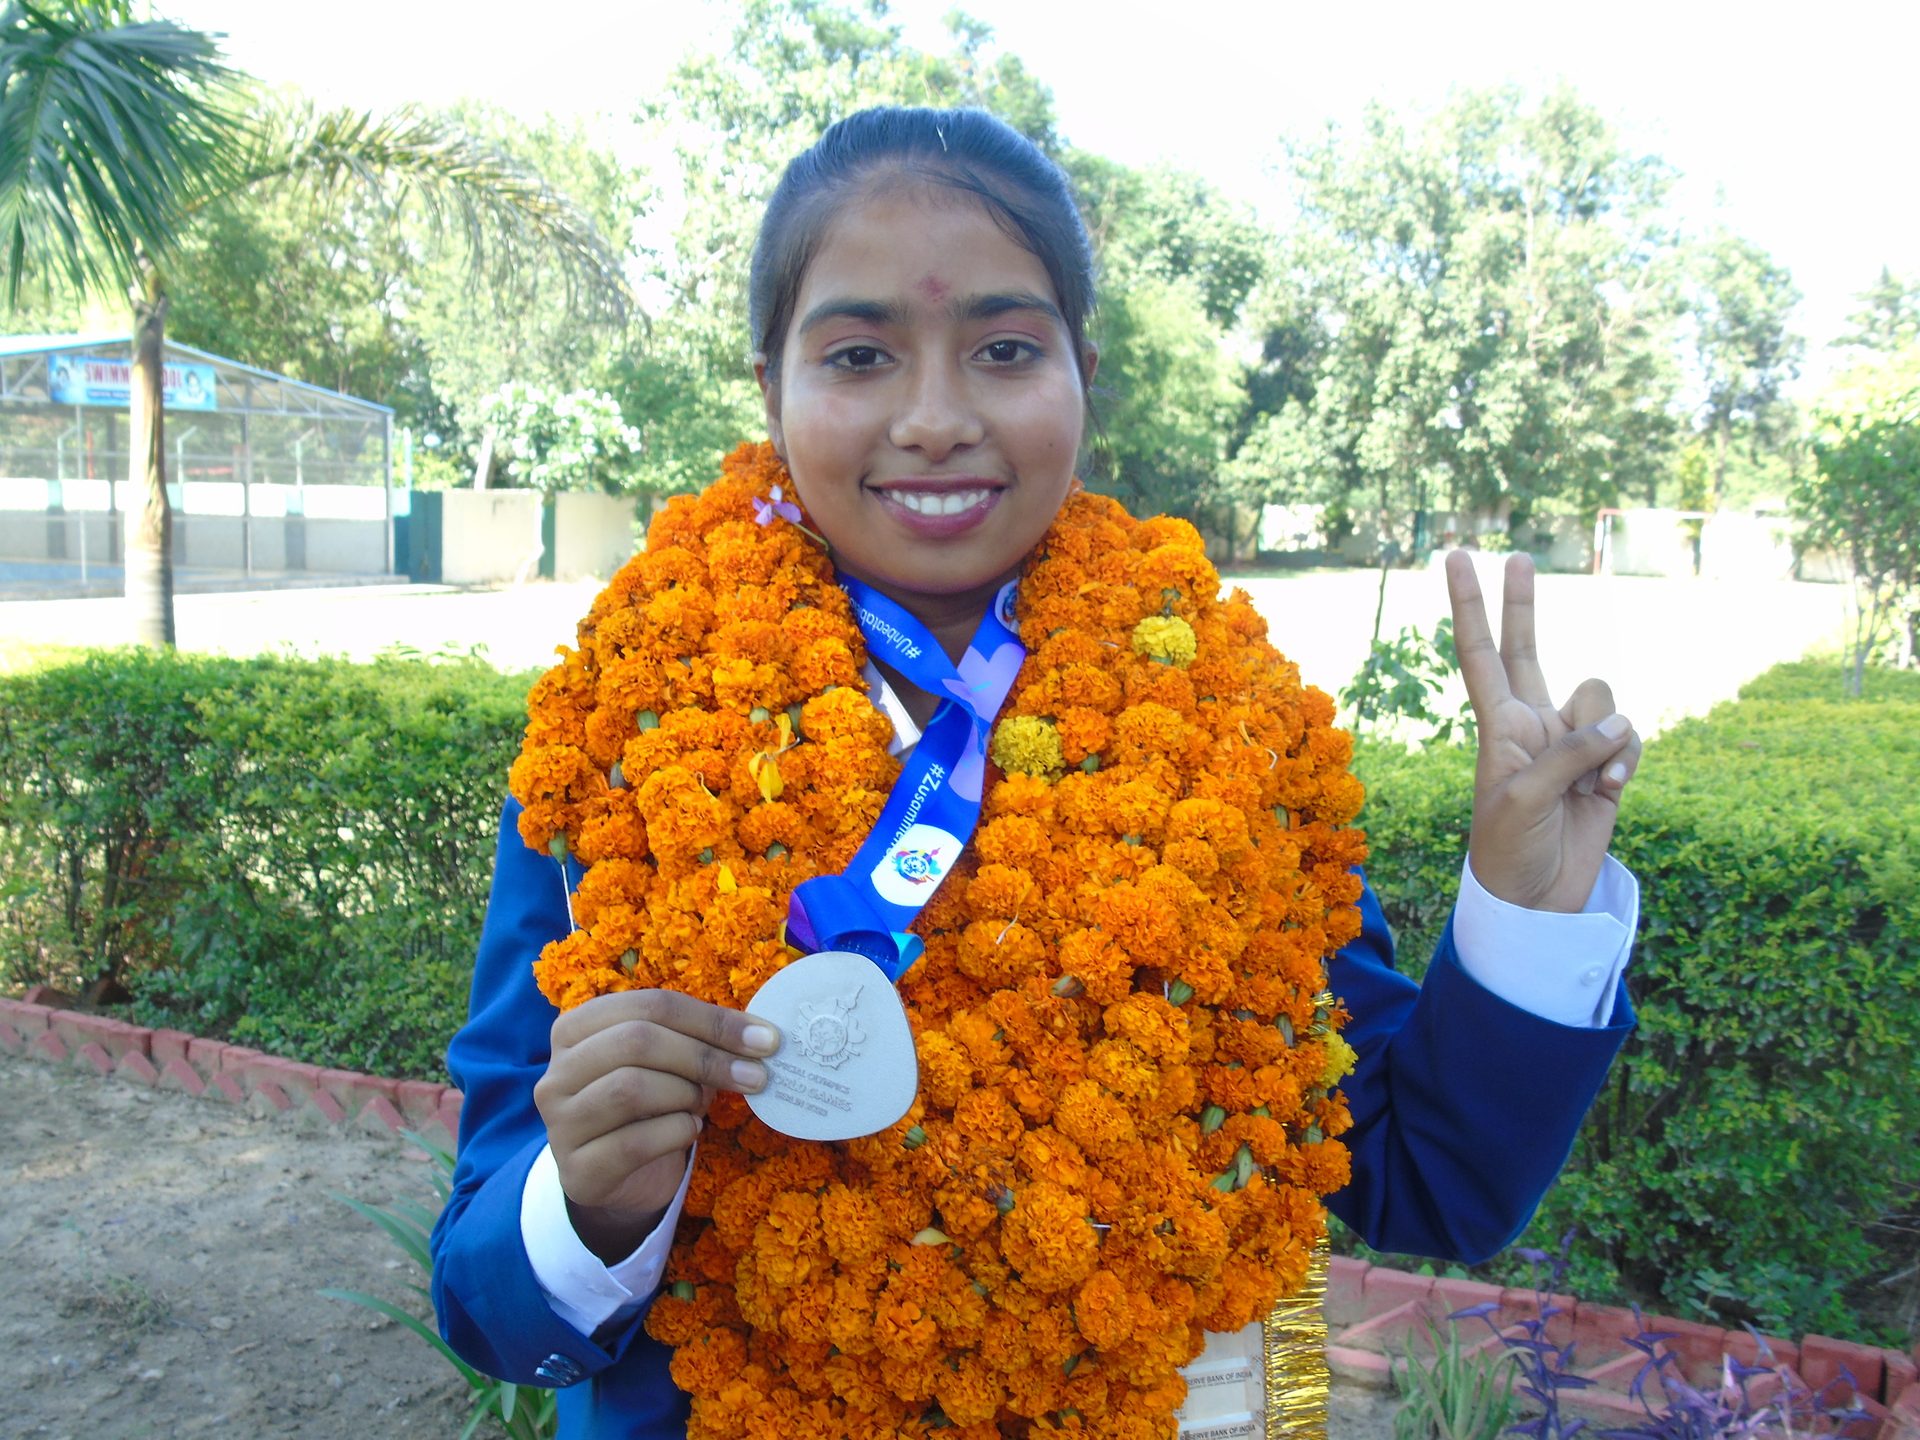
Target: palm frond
[[109, 132], [465, 188]]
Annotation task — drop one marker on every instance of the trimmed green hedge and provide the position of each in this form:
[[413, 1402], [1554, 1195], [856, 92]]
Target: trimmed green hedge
[[296, 854], [1764, 1116], [291, 854]]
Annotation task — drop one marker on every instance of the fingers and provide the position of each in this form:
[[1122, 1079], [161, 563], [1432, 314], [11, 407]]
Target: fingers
[[654, 1047], [631, 1148], [624, 1096], [1589, 704], [1480, 663], [1619, 770], [617, 1184], [1517, 647], [714, 1025], [642, 1055], [625, 1093], [1597, 748]]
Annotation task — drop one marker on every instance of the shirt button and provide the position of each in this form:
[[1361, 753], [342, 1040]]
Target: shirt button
[[1591, 977]]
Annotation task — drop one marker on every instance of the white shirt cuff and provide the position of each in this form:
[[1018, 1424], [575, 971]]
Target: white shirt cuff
[[1564, 968], [582, 1291]]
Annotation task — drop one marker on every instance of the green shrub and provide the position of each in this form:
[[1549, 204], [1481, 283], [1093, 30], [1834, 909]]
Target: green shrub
[[1817, 680], [292, 854], [1762, 1117], [1418, 811], [93, 758]]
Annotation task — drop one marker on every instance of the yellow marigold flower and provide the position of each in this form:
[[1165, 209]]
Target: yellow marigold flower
[[1166, 637], [1340, 1060], [1027, 745]]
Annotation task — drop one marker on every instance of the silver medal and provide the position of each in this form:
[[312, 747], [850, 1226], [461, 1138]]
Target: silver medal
[[846, 1065]]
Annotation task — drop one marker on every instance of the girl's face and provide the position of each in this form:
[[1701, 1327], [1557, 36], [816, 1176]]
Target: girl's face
[[929, 402]]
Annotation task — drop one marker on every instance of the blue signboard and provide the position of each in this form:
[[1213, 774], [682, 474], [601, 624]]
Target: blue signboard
[[104, 380]]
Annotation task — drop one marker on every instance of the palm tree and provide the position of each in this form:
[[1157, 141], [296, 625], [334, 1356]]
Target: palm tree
[[116, 135]]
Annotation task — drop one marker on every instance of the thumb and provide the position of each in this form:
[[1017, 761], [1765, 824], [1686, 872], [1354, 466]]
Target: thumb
[[1578, 752]]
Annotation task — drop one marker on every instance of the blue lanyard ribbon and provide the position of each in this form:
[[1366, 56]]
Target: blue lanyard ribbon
[[934, 805]]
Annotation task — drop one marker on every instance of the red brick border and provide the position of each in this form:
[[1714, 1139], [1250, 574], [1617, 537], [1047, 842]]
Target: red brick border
[[235, 1074], [1371, 1310], [1372, 1313]]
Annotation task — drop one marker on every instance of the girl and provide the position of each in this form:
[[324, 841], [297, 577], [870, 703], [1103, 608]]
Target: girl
[[1131, 1091]]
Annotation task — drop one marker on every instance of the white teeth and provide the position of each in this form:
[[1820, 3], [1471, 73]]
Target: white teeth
[[952, 503]]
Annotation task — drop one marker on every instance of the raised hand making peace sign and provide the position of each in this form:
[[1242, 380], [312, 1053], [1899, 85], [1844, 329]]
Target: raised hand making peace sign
[[1546, 789]]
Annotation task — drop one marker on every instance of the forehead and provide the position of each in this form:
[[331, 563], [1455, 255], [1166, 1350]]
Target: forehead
[[922, 242]]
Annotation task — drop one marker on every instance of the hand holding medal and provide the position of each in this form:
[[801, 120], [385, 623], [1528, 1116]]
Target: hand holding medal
[[625, 1094]]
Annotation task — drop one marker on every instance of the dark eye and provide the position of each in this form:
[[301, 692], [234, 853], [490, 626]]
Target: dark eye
[[857, 357], [1006, 352]]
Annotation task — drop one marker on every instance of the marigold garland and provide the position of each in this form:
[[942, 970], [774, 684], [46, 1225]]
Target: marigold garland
[[1126, 1117]]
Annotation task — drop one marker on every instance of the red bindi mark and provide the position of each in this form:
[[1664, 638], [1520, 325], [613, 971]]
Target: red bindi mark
[[933, 288]]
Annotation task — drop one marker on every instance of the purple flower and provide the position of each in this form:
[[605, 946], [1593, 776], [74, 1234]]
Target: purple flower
[[765, 510]]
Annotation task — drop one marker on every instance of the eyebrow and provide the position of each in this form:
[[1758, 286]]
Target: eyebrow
[[871, 312], [987, 307], [973, 307]]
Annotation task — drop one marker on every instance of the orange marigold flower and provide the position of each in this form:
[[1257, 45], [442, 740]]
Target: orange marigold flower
[[998, 954], [611, 829], [1092, 1119], [1103, 968], [1046, 1237], [967, 1393]]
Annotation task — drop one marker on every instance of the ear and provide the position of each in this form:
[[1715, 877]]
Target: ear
[[770, 397], [1089, 363]]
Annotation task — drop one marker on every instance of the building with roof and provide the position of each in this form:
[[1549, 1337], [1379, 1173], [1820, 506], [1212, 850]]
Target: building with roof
[[268, 476]]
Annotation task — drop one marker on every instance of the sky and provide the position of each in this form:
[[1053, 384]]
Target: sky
[[1797, 133]]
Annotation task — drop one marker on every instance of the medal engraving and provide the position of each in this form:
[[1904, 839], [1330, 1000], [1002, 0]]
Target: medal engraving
[[845, 1066]]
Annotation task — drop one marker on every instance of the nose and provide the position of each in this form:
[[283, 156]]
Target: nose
[[937, 413]]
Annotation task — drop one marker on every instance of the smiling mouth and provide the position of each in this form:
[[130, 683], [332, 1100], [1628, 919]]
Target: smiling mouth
[[951, 502]]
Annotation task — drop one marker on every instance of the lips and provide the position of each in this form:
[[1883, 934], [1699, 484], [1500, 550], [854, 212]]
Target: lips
[[936, 511]]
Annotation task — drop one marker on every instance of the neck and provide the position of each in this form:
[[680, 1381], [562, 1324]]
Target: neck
[[950, 619]]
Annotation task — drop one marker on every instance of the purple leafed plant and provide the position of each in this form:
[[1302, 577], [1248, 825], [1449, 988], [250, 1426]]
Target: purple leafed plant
[[1730, 1411]]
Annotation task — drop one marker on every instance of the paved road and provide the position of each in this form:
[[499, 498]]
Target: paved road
[[1670, 648]]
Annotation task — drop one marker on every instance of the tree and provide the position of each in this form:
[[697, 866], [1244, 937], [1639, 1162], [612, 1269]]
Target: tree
[[295, 285], [1470, 313], [110, 133], [553, 441], [116, 137], [1177, 261], [1888, 317], [1863, 499], [474, 339], [1742, 302]]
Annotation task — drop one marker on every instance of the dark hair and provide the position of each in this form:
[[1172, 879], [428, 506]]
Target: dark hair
[[966, 150]]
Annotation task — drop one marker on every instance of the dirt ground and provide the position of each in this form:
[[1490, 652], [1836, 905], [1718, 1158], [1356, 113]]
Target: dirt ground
[[161, 1255]]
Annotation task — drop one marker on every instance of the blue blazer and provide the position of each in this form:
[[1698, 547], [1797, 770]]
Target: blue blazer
[[1464, 1108]]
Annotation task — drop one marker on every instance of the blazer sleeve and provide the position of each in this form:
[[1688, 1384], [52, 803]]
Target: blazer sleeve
[[490, 1306], [1465, 1106]]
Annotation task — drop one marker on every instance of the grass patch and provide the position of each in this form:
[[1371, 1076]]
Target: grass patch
[[117, 1303]]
